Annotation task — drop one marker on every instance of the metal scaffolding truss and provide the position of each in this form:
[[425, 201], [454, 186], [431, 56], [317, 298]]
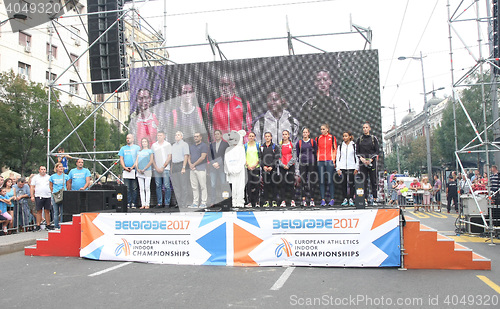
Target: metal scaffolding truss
[[149, 56], [480, 144]]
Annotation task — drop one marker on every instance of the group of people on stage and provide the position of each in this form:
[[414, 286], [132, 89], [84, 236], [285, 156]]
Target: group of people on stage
[[274, 170]]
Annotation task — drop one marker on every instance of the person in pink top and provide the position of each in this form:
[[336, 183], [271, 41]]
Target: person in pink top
[[144, 124], [287, 170]]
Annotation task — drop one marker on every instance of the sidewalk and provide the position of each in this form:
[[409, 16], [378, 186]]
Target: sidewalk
[[17, 242]]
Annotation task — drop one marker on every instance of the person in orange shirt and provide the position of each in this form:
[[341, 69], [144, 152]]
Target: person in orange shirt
[[327, 152]]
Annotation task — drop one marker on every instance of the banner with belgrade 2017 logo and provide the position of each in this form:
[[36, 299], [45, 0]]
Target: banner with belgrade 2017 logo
[[347, 238]]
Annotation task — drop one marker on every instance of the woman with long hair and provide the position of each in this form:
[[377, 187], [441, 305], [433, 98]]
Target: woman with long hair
[[287, 171], [143, 165], [347, 166], [252, 155], [306, 154], [327, 148], [57, 181]]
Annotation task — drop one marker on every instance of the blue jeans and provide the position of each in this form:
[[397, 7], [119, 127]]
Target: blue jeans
[[163, 179], [58, 211], [131, 190], [326, 171]]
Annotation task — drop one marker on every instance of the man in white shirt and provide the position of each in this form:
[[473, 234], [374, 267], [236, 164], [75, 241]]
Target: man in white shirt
[[40, 194], [163, 156]]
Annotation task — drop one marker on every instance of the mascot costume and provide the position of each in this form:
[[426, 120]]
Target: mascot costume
[[234, 166]]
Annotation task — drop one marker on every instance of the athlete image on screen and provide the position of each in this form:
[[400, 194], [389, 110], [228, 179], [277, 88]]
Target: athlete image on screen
[[229, 112], [144, 123], [325, 107], [187, 117], [276, 119]]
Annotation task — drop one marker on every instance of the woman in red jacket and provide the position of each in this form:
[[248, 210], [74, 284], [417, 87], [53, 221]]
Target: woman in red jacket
[[327, 149]]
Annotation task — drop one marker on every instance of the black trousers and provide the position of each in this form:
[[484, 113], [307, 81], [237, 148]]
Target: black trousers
[[370, 173], [347, 178], [287, 183], [270, 180], [253, 186], [308, 180], [451, 198]]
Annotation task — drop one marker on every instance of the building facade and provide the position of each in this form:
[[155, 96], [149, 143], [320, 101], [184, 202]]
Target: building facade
[[413, 125]]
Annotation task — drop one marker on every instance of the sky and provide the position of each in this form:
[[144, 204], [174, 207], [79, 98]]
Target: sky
[[400, 28]]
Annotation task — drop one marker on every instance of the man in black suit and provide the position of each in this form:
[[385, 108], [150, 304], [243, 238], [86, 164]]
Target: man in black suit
[[217, 176]]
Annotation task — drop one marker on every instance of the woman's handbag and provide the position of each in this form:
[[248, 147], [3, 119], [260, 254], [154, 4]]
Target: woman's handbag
[[58, 196]]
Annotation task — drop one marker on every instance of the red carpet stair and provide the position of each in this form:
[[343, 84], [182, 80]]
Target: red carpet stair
[[65, 242], [425, 248]]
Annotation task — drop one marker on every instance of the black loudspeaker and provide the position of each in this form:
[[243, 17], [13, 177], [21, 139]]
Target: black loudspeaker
[[107, 56], [76, 202], [359, 193]]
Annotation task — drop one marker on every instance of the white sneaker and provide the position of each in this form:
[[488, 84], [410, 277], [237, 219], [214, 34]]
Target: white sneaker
[[249, 205], [292, 204], [312, 203], [283, 204]]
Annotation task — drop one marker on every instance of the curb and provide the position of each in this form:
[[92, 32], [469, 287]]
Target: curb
[[15, 247]]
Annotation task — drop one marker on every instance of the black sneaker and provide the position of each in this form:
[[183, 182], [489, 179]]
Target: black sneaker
[[37, 228], [49, 227]]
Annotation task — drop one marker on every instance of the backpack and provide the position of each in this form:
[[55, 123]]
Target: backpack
[[300, 146], [256, 144]]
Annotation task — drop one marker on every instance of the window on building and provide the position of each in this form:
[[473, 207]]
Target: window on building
[[25, 40], [75, 35], [50, 77], [24, 70], [77, 63], [54, 51], [73, 87], [118, 103], [99, 98]]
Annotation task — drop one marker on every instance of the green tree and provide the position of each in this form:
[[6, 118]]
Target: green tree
[[444, 136], [23, 106], [23, 137]]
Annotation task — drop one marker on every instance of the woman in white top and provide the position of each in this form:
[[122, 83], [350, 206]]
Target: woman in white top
[[427, 187], [347, 166]]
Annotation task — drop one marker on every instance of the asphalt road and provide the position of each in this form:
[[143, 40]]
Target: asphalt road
[[57, 282]]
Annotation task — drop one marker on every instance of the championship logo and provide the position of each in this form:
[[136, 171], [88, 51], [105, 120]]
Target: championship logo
[[123, 248], [284, 247]]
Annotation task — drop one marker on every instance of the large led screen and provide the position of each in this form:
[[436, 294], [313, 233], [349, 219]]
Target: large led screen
[[256, 95], [264, 94]]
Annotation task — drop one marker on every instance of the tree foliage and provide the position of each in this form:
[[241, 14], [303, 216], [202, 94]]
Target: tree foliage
[[23, 105], [471, 97]]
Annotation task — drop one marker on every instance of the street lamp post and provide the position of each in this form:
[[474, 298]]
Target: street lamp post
[[396, 136], [15, 16], [426, 111]]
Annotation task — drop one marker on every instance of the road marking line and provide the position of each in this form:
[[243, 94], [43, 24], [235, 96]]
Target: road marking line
[[490, 283], [109, 269], [282, 279], [437, 215]]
